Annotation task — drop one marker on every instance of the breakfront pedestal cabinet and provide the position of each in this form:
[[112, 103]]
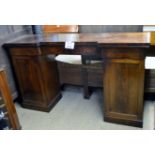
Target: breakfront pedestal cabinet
[[123, 57]]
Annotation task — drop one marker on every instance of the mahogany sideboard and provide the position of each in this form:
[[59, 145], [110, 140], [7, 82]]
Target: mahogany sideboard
[[123, 57]]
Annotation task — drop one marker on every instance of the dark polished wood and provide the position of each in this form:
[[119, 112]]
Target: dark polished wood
[[124, 85], [8, 101], [112, 39], [123, 56], [38, 78]]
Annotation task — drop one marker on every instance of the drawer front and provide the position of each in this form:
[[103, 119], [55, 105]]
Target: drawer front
[[29, 51], [52, 50], [122, 53], [78, 50]]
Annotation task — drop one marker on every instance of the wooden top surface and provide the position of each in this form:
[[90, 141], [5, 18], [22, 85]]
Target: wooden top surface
[[101, 38]]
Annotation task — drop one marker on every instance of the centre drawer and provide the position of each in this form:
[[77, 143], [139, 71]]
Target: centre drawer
[[78, 49]]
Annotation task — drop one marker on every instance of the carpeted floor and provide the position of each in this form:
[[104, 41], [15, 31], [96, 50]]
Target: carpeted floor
[[73, 112]]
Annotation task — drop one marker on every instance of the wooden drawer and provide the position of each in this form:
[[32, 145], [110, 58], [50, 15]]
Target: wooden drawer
[[122, 53], [52, 50], [78, 50], [29, 51]]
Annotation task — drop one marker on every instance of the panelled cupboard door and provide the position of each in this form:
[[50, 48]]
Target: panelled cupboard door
[[123, 85], [28, 74]]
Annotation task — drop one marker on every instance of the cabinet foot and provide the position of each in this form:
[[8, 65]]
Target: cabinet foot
[[44, 109], [136, 123]]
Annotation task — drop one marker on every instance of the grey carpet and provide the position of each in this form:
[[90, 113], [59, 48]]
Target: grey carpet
[[73, 112]]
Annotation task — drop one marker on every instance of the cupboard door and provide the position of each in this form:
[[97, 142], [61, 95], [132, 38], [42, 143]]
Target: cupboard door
[[30, 79], [123, 91]]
